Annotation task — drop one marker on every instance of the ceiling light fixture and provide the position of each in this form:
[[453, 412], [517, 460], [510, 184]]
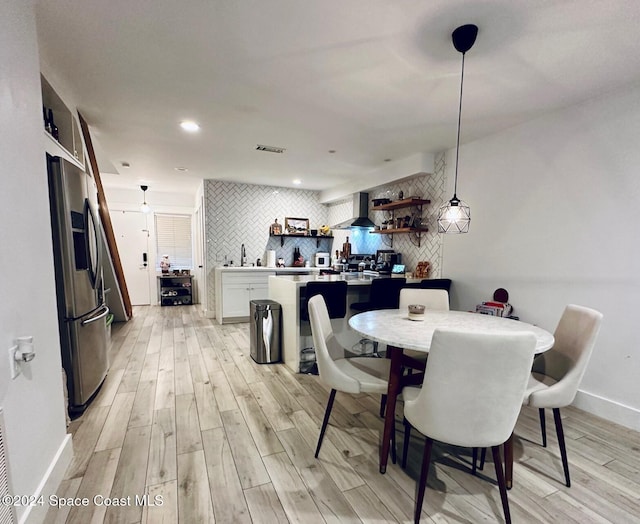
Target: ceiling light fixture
[[297, 181], [190, 126], [455, 215], [181, 169], [144, 207]]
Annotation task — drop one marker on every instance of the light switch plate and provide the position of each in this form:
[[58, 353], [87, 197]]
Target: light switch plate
[[14, 365]]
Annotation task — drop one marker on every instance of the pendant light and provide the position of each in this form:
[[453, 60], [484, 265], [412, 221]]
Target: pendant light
[[455, 215], [144, 207]]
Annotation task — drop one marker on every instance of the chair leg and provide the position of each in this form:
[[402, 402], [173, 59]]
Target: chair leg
[[543, 427], [422, 482], [474, 460], [501, 483], [394, 453], [327, 414], [405, 442], [383, 404], [563, 447]]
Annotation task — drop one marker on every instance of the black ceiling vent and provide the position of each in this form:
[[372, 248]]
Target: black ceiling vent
[[270, 149]]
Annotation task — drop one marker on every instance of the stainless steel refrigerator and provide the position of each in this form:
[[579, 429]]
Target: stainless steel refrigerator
[[77, 255]]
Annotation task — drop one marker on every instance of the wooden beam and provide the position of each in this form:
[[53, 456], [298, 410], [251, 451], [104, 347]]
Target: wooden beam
[[103, 210]]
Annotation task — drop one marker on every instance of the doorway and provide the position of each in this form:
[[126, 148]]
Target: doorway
[[132, 237]]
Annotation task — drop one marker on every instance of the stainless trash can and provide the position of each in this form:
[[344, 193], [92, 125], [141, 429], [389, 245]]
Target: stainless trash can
[[265, 331]]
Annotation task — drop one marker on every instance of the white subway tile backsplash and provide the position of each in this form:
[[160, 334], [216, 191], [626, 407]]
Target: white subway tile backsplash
[[237, 214]]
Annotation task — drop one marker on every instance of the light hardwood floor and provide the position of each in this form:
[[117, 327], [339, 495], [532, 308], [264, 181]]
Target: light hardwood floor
[[186, 417]]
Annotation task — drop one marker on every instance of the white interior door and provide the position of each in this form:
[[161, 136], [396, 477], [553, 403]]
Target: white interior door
[[199, 254], [132, 236]]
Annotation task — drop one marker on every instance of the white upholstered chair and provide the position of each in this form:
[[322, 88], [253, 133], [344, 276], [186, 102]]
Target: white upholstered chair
[[349, 375], [430, 299], [557, 373], [471, 396]]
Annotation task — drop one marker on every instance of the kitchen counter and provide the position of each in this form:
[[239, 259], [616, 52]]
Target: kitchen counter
[[288, 290], [236, 286], [352, 279], [268, 269]]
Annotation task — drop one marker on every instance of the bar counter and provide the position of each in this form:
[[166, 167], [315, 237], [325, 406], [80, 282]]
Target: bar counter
[[288, 290]]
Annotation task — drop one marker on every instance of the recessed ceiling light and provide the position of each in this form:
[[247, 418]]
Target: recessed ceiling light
[[332, 151], [387, 160], [125, 164], [181, 169], [190, 126], [297, 181]]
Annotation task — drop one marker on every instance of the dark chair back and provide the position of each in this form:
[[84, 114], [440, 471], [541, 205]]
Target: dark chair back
[[334, 294], [436, 283], [384, 294]]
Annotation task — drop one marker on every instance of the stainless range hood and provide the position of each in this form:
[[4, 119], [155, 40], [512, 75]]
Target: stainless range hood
[[361, 212]]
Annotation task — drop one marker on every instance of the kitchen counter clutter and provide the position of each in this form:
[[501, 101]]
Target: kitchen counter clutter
[[352, 279], [227, 269]]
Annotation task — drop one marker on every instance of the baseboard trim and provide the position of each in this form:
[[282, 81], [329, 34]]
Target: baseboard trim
[[608, 409], [50, 482], [208, 313]]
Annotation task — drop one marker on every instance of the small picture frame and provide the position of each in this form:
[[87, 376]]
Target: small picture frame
[[275, 228], [296, 226]]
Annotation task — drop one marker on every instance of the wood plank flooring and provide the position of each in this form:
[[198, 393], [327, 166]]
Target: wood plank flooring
[[188, 428]]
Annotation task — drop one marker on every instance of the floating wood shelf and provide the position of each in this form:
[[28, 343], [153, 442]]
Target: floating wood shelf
[[317, 237], [398, 204], [415, 232], [399, 230]]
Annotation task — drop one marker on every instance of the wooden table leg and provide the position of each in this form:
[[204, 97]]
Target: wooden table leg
[[508, 462], [393, 391]]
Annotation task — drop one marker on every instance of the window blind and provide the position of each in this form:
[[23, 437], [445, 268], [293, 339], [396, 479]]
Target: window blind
[[173, 238]]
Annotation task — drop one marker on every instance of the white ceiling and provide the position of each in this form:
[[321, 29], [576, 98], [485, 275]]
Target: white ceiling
[[370, 79]]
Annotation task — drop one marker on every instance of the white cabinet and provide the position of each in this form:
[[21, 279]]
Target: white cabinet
[[234, 291]]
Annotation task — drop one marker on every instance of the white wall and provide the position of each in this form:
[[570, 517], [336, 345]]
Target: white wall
[[39, 449], [556, 220]]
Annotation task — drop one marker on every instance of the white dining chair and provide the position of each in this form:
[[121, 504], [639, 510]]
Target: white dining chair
[[557, 373], [349, 375], [437, 299], [471, 396], [429, 298]]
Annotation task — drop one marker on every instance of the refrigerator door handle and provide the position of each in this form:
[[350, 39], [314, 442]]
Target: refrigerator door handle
[[102, 312]]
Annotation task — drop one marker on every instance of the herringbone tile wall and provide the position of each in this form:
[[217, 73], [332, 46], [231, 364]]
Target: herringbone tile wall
[[237, 214], [430, 187]]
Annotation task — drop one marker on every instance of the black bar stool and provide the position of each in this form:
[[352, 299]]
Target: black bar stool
[[383, 294], [334, 294]]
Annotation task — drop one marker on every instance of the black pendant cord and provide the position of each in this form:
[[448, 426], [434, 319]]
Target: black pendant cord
[[455, 183]]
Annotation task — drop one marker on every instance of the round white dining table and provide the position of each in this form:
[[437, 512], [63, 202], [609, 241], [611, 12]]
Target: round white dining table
[[394, 328]]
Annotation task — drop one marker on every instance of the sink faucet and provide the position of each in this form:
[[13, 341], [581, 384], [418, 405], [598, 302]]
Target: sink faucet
[[243, 255]]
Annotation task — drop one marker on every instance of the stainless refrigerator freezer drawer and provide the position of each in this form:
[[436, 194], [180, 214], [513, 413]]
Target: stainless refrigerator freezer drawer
[[89, 359]]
